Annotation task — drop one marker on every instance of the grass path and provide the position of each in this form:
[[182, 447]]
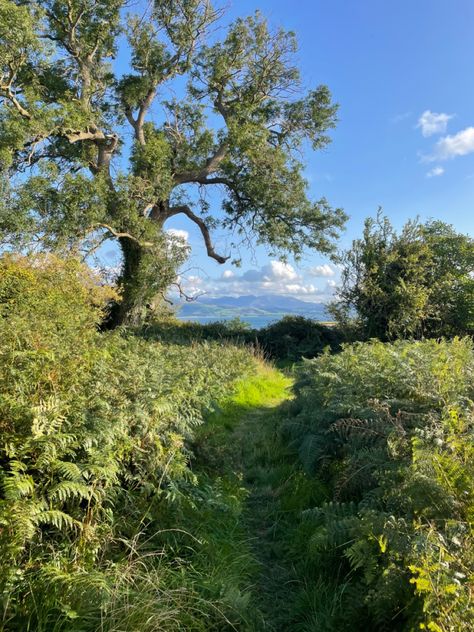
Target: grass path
[[264, 476], [240, 447]]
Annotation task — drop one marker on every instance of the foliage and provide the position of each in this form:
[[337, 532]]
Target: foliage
[[239, 129], [389, 428], [418, 283], [295, 337], [96, 431], [450, 277], [288, 339], [172, 330]]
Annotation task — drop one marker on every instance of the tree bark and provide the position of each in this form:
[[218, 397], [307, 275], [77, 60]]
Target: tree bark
[[129, 310]]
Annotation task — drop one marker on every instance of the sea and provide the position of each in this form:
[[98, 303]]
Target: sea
[[256, 322]]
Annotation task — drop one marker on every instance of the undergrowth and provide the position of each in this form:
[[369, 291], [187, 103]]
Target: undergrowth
[[96, 442], [151, 485], [388, 428], [286, 341]]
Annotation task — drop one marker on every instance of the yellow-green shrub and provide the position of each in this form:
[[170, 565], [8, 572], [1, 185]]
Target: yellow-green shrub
[[94, 430]]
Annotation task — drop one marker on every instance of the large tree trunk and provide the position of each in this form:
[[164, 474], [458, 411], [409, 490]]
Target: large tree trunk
[[130, 310], [148, 269]]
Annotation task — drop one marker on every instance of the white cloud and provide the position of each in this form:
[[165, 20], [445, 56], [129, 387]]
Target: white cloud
[[322, 271], [435, 172], [196, 280], [275, 277], [177, 233], [273, 271], [458, 144], [297, 288], [432, 123], [279, 270]]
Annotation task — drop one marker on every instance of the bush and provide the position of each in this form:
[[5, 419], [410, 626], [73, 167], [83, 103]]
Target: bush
[[95, 434], [416, 284], [185, 332], [291, 338], [389, 428], [296, 337]]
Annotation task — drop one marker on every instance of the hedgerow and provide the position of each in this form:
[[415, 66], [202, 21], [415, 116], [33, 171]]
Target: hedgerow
[[389, 429], [95, 446], [289, 339]]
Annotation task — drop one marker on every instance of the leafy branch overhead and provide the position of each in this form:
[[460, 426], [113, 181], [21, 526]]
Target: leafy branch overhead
[[239, 125]]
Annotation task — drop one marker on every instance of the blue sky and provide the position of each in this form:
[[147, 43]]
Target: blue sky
[[402, 74]]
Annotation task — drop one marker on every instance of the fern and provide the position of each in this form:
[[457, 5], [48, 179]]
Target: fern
[[67, 490], [390, 427], [56, 518], [17, 486], [68, 470]]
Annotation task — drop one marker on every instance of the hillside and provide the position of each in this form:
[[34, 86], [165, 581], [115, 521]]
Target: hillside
[[268, 306]]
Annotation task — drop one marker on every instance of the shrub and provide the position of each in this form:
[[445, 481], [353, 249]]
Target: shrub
[[95, 432], [389, 427], [184, 332], [291, 338], [418, 283], [296, 337]]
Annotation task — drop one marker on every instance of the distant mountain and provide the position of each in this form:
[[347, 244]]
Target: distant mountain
[[248, 307]]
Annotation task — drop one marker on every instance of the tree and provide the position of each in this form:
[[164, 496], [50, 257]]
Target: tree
[[203, 114], [418, 283], [450, 278]]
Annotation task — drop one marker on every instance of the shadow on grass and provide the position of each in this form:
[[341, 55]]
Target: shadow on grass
[[259, 493]]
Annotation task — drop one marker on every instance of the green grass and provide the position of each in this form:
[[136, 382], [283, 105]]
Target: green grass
[[225, 566], [250, 524]]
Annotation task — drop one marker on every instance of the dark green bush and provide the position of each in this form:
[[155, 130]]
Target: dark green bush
[[291, 338], [296, 337], [185, 332]]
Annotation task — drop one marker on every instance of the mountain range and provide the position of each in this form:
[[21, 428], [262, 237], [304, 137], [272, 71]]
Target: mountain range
[[266, 306]]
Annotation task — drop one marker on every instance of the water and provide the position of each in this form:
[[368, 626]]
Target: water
[[256, 322]]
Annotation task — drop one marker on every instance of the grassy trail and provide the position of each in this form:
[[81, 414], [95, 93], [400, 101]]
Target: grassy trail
[[240, 445], [264, 520]]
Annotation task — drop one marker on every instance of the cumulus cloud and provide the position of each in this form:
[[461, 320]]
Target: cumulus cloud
[[322, 271], [275, 277], [435, 172], [279, 270], [297, 288], [179, 234], [458, 144], [433, 123], [194, 278], [273, 271]]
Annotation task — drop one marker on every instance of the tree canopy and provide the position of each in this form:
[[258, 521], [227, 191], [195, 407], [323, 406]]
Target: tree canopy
[[418, 283], [90, 152]]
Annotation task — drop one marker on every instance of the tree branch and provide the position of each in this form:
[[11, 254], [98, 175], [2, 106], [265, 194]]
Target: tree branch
[[176, 210], [75, 136], [199, 176], [6, 93], [144, 107], [182, 294], [118, 235]]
